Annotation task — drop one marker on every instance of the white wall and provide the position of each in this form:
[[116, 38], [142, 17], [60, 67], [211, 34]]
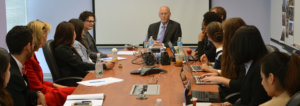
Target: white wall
[[127, 21], [253, 12], [54, 12], [2, 24]]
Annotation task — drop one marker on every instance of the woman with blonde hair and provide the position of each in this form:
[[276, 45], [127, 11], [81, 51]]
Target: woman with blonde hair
[[55, 94]]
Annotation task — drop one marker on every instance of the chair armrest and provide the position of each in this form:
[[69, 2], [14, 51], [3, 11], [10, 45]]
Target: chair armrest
[[233, 97], [68, 81]]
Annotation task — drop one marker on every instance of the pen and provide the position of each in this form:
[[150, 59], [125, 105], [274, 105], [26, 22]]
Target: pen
[[96, 81]]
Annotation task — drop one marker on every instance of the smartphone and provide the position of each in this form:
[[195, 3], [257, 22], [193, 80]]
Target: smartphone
[[82, 103]]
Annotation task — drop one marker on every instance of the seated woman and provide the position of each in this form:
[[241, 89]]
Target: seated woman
[[67, 57], [274, 69], [215, 35], [55, 94], [246, 54], [5, 98], [79, 44], [204, 46], [228, 68]]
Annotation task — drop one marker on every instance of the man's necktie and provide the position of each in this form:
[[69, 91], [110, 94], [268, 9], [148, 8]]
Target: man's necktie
[[162, 33]]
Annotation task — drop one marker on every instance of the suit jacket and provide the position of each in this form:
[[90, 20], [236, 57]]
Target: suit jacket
[[173, 31], [92, 49], [251, 90], [70, 63], [54, 96], [17, 88]]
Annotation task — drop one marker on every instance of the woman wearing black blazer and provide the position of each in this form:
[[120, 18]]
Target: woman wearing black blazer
[[246, 50], [67, 58]]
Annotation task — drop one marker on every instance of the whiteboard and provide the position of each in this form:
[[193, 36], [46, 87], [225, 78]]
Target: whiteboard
[[283, 28], [127, 21]]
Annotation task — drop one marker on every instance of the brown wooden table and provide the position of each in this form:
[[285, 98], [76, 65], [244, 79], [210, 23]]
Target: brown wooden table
[[117, 94]]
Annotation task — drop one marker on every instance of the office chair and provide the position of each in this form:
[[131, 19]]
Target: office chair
[[56, 75], [271, 48], [295, 100]]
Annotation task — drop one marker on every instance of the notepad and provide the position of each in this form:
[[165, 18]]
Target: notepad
[[100, 82], [94, 99], [110, 58], [127, 52], [199, 104]]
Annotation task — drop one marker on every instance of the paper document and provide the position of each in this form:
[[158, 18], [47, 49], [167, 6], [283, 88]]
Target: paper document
[[110, 58], [100, 82], [86, 96], [93, 102], [127, 52], [199, 104], [93, 99]]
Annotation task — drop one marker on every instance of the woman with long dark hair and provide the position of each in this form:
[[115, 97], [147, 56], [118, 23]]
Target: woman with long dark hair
[[5, 98], [67, 57], [245, 55], [79, 44]]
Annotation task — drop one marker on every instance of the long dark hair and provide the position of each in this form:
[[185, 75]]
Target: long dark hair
[[247, 44], [78, 25], [64, 34], [229, 27], [5, 98], [277, 64], [292, 77]]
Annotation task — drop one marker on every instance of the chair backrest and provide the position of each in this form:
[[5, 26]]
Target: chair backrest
[[295, 100], [48, 50], [271, 48]]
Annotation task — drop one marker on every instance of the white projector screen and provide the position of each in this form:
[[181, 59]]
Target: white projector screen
[[127, 21]]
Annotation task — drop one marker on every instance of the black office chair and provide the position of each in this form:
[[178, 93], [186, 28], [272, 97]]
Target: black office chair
[[271, 48], [295, 100], [56, 75]]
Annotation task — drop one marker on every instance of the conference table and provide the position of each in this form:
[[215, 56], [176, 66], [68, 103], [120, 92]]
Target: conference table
[[118, 94]]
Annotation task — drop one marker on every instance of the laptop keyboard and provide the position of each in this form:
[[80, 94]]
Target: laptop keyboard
[[198, 81], [203, 96], [196, 68]]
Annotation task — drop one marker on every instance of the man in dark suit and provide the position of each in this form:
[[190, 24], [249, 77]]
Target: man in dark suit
[[165, 30], [20, 44]]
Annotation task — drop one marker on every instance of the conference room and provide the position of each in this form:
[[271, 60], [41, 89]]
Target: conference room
[[157, 52]]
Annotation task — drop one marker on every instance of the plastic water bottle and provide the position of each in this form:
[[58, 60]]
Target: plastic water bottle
[[98, 67], [151, 41], [158, 102], [114, 55], [179, 43]]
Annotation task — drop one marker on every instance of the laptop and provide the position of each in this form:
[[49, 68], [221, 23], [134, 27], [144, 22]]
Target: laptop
[[202, 96], [196, 68], [198, 81]]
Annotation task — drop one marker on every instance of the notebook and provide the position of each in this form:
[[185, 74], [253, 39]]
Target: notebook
[[85, 100]]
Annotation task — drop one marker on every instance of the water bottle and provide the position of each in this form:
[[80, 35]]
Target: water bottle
[[179, 43], [151, 41], [158, 102], [114, 55], [98, 67]]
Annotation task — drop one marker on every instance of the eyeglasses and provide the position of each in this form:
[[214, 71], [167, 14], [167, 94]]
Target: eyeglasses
[[90, 21]]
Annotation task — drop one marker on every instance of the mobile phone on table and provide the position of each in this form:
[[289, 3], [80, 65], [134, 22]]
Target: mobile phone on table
[[82, 103]]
